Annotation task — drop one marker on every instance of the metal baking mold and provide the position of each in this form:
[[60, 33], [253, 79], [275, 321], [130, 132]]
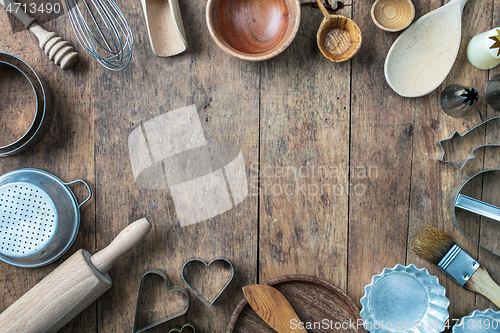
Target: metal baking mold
[[404, 299], [181, 328], [487, 321], [39, 217], [44, 106], [493, 143], [456, 100], [198, 294], [458, 200], [170, 288]]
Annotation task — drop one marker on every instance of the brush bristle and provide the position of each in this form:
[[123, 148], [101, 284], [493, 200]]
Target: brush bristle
[[432, 244]]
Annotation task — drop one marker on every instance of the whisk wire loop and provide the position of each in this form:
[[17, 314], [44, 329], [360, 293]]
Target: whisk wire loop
[[102, 31]]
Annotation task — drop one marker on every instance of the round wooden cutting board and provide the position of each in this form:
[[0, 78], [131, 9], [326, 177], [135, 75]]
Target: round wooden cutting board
[[316, 302]]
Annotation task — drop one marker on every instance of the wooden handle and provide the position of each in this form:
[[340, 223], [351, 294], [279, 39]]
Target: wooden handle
[[55, 47], [20, 14], [273, 308], [481, 283], [322, 8], [127, 239], [59, 297]]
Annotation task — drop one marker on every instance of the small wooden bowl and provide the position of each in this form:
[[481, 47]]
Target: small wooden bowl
[[393, 15], [338, 37], [253, 30]]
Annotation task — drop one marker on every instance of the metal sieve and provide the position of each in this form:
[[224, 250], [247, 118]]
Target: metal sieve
[[39, 217]]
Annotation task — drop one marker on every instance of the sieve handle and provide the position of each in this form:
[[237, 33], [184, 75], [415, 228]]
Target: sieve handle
[[88, 188]]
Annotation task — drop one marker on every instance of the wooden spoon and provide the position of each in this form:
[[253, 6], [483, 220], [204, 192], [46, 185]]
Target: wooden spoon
[[423, 55], [273, 308]]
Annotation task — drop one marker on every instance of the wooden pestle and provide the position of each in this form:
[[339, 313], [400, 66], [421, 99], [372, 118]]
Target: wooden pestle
[[55, 47], [71, 287]]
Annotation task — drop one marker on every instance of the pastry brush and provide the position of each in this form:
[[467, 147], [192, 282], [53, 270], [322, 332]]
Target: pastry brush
[[437, 247]]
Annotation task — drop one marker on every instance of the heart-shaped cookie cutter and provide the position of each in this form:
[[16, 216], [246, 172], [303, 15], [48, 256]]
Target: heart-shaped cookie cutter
[[169, 289], [181, 328], [195, 291]]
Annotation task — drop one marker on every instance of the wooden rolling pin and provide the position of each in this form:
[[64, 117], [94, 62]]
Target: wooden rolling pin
[[71, 287]]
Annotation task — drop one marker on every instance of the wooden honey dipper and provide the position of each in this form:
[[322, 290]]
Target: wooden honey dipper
[[55, 47]]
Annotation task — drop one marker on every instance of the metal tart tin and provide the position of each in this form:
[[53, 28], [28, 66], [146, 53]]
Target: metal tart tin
[[487, 321], [404, 299]]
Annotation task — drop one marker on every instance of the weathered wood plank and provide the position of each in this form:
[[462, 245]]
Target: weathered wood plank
[[432, 181], [381, 139], [67, 150], [225, 92], [304, 143]]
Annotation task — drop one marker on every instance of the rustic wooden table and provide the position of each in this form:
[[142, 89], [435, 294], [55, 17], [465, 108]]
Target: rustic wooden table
[[297, 111]]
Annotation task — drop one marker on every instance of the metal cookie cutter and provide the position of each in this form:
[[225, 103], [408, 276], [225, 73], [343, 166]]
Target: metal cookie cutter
[[44, 106], [459, 200], [195, 290], [181, 328], [183, 290], [490, 142]]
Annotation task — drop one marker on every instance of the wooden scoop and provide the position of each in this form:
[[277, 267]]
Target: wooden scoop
[[273, 308], [423, 55]]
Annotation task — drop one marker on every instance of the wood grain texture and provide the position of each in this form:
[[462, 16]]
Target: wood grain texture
[[393, 15], [67, 150], [55, 300], [432, 182], [254, 30], [272, 307], [422, 56], [315, 301], [304, 161], [225, 92], [165, 27], [343, 173]]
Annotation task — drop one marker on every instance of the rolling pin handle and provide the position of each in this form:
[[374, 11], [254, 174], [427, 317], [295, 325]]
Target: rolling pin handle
[[127, 239]]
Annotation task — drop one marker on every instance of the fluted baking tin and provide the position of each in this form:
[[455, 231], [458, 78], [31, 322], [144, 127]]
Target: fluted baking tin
[[404, 299]]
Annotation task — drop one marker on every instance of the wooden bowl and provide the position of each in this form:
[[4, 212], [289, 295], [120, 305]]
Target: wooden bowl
[[339, 38], [253, 30], [393, 15]]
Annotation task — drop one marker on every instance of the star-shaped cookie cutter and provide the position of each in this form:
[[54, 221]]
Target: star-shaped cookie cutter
[[471, 151]]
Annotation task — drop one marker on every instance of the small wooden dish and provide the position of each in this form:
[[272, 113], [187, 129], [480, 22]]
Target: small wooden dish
[[253, 30], [313, 299], [393, 15], [338, 37]]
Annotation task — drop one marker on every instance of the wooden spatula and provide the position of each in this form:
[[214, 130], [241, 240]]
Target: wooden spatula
[[423, 55], [273, 308]]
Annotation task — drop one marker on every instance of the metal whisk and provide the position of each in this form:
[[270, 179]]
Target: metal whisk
[[103, 31]]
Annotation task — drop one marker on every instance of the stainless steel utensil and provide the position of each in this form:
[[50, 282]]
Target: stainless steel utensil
[[456, 100], [44, 106], [39, 217], [103, 31]]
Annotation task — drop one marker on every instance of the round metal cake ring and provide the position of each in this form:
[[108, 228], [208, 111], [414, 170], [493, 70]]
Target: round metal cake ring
[[40, 217], [404, 299], [44, 106]]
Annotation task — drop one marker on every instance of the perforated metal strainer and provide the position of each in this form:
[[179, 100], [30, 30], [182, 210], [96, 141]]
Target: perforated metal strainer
[[39, 217]]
